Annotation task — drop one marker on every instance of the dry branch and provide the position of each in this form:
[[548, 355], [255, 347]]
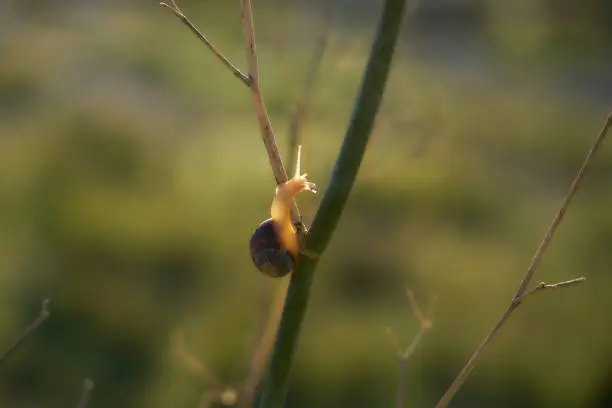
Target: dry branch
[[252, 82], [193, 363], [404, 353], [265, 126], [88, 386], [44, 314], [305, 101], [264, 346], [523, 290], [543, 286], [219, 391], [177, 12]]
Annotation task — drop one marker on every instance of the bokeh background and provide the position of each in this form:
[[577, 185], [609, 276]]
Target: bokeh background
[[132, 175]]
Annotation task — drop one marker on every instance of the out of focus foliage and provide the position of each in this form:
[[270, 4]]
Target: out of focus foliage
[[132, 175]]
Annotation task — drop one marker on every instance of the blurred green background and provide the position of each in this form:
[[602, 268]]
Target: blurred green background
[[132, 175]]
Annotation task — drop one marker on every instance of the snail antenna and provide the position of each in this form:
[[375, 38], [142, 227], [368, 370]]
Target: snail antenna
[[298, 162]]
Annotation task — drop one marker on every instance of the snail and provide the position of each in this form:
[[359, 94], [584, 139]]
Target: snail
[[275, 243]]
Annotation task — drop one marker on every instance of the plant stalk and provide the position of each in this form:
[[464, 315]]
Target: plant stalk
[[274, 387]]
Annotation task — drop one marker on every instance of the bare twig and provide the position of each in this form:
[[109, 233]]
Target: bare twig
[[193, 363], [44, 314], [88, 385], [414, 343], [522, 290], [394, 342], [262, 351], [252, 82], [305, 100], [403, 354], [219, 392], [177, 12], [559, 217], [401, 381], [416, 309], [265, 126], [558, 285]]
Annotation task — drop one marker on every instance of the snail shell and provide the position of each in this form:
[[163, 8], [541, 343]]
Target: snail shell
[[267, 253]]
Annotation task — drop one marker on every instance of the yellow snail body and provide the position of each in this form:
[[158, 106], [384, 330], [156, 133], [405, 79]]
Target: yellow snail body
[[274, 245]]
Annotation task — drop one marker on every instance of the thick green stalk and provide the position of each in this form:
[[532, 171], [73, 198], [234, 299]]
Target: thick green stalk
[[274, 387]]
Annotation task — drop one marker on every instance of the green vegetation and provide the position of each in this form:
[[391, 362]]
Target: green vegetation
[[132, 175]]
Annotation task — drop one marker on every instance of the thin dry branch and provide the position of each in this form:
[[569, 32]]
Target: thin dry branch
[[522, 290], [404, 353], [537, 258], [44, 314], [193, 363], [543, 286], [305, 101], [401, 381], [265, 126], [394, 342], [252, 82], [219, 392], [178, 13], [424, 321], [88, 386], [262, 351]]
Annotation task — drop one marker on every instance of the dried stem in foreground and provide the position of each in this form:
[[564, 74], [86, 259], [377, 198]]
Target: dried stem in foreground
[[88, 386], [523, 291], [264, 346], [44, 314], [404, 353], [219, 391], [193, 363]]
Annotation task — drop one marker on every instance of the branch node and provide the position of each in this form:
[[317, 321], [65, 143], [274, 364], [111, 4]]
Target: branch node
[[543, 285], [403, 354]]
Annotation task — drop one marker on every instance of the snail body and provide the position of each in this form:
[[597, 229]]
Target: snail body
[[274, 244]]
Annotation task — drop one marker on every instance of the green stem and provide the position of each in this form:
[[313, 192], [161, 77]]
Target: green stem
[[274, 387]]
